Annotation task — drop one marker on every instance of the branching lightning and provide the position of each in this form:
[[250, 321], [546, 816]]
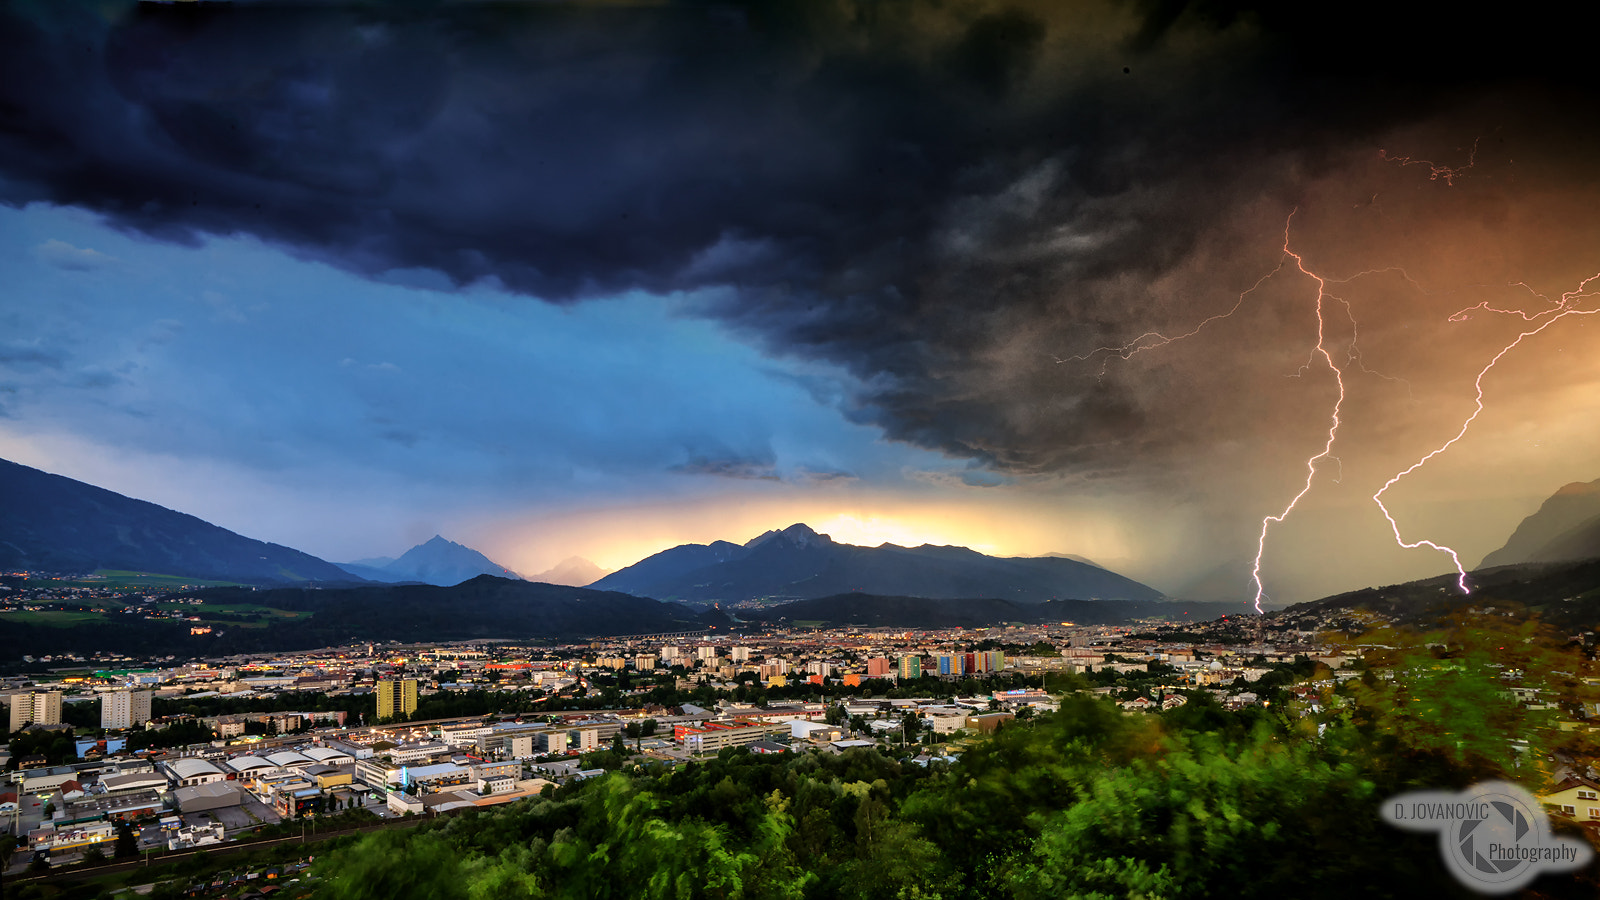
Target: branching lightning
[[1157, 339], [1447, 174], [1322, 355], [1321, 349], [1152, 340], [1567, 306]]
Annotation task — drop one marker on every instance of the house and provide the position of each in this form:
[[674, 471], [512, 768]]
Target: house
[[1575, 797]]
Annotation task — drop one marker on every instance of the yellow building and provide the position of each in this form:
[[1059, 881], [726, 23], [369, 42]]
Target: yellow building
[[397, 698], [1575, 797], [328, 780]]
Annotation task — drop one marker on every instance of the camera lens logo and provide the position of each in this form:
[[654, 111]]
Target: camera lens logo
[[1481, 843], [1494, 836]]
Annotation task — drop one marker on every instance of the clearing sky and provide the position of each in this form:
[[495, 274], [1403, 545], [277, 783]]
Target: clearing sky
[[557, 279]]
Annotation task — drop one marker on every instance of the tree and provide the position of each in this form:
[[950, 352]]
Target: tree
[[389, 864], [94, 856], [127, 843], [912, 725]]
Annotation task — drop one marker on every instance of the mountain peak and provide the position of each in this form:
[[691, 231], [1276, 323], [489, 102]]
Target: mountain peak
[[574, 570], [1565, 527], [445, 562], [798, 534], [799, 562]]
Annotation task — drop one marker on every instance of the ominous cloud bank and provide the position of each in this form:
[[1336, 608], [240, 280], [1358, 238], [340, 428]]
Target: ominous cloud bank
[[943, 198]]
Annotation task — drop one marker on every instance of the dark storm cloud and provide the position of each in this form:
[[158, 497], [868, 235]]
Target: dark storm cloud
[[937, 197]]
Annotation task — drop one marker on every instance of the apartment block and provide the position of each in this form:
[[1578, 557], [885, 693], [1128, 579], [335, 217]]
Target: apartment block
[[35, 708], [124, 709]]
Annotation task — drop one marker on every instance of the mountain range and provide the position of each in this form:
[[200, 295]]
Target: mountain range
[[1564, 594], [1566, 527], [52, 523], [55, 524], [435, 561], [798, 563]]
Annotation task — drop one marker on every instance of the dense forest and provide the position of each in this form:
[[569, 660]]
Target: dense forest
[[1088, 802]]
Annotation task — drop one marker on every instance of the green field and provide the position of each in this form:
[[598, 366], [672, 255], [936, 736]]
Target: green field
[[123, 578], [52, 618], [221, 606]]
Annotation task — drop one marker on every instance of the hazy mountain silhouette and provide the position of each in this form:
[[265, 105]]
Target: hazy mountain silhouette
[[1566, 527], [799, 563], [435, 561], [55, 524], [574, 570]]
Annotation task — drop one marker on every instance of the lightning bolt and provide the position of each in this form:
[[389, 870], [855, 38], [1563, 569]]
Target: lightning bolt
[[1447, 174], [1321, 349], [1152, 340], [1157, 339], [1354, 355], [1566, 306], [1322, 355]]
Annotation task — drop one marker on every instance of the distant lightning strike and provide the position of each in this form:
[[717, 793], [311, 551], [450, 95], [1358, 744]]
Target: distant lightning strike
[[1151, 340], [1333, 427], [1157, 339], [1567, 306], [1447, 174]]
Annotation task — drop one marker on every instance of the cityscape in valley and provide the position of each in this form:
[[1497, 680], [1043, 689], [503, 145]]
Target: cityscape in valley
[[136, 753], [802, 449]]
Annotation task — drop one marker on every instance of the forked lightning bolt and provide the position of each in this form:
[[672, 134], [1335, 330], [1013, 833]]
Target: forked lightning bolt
[[1567, 306], [1151, 340], [1321, 349]]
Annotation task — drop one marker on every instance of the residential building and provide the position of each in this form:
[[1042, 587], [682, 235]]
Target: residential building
[[397, 698], [124, 709], [584, 740], [910, 667], [35, 708], [1575, 797]]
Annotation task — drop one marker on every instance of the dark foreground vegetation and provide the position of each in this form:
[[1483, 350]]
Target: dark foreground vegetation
[[1089, 802]]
